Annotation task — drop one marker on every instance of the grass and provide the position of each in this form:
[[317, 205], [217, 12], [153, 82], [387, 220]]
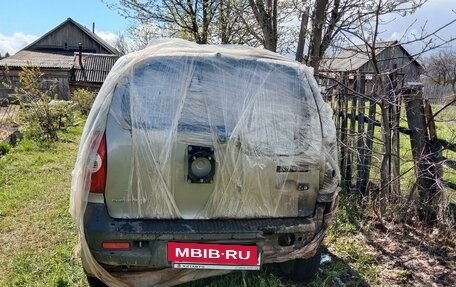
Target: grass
[[37, 236], [352, 261]]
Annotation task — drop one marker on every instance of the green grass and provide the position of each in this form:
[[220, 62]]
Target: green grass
[[37, 236], [352, 261]]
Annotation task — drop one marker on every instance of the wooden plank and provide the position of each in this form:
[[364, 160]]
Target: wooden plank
[[351, 140], [343, 130], [430, 121], [370, 138], [449, 163], [361, 180], [395, 139]]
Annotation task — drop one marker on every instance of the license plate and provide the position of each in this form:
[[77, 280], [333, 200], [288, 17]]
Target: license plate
[[213, 256]]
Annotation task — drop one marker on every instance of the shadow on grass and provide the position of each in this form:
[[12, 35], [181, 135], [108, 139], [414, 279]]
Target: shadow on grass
[[336, 272]]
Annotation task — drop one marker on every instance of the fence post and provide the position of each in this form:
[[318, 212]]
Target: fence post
[[425, 165], [343, 106], [395, 114], [351, 139]]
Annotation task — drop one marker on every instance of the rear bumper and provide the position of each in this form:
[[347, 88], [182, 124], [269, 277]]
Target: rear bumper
[[279, 239]]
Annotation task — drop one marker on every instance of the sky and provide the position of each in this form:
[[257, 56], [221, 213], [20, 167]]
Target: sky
[[23, 21]]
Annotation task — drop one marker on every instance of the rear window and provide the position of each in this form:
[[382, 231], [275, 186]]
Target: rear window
[[266, 104]]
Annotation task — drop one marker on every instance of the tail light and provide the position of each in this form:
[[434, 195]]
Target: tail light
[[119, 245], [98, 180]]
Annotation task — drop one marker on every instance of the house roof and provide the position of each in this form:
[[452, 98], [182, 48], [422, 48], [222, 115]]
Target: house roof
[[95, 67], [93, 36], [354, 57], [38, 59]]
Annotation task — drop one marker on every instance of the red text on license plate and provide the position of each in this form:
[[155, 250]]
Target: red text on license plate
[[211, 253]]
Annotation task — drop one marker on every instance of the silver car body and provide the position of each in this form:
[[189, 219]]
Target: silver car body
[[206, 134]]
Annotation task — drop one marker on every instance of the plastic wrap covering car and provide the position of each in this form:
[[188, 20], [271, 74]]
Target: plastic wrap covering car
[[258, 116]]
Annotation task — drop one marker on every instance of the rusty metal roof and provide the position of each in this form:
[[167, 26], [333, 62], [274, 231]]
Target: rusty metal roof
[[95, 67], [38, 59]]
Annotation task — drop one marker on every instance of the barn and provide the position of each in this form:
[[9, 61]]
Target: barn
[[393, 60]]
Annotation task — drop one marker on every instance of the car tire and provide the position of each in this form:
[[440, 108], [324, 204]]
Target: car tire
[[95, 282], [301, 270]]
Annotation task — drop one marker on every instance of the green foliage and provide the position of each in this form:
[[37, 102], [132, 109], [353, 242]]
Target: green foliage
[[4, 148], [83, 99], [41, 116], [347, 218]]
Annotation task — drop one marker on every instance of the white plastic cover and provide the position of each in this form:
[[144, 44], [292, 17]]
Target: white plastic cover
[[281, 120]]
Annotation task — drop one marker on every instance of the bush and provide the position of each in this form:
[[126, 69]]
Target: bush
[[83, 99], [4, 148], [41, 116]]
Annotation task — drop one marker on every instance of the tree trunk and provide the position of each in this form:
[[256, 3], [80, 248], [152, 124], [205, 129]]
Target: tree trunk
[[267, 19], [302, 35], [318, 20]]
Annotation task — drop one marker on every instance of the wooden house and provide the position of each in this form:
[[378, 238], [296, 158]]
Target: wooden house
[[55, 53]]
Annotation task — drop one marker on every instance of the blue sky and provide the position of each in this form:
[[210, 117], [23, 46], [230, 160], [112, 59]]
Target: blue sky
[[23, 21]]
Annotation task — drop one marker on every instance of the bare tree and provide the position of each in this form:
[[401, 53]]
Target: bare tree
[[122, 45], [185, 17], [266, 15], [441, 68]]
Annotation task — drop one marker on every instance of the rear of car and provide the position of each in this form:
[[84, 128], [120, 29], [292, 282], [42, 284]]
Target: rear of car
[[202, 157]]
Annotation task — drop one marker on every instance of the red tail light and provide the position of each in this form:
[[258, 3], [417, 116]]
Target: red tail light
[[97, 184], [120, 245]]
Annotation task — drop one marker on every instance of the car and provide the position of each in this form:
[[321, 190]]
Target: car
[[196, 160]]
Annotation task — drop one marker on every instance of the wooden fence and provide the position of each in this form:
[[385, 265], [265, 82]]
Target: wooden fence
[[369, 124]]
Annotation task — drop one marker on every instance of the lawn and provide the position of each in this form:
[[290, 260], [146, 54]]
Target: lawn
[[37, 236]]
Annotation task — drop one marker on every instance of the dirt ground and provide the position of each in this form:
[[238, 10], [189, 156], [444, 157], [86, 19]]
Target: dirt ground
[[406, 256], [411, 257]]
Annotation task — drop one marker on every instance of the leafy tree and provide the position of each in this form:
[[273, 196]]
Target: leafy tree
[[83, 99]]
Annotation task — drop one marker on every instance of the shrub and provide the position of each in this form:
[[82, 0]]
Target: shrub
[[4, 148], [41, 116], [83, 99]]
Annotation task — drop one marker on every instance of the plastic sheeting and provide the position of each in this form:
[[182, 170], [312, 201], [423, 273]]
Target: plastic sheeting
[[257, 110]]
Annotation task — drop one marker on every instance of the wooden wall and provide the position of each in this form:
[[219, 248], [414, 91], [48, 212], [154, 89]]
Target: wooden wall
[[72, 36]]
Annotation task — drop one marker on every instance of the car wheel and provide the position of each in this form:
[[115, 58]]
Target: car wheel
[[95, 282], [301, 270]]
